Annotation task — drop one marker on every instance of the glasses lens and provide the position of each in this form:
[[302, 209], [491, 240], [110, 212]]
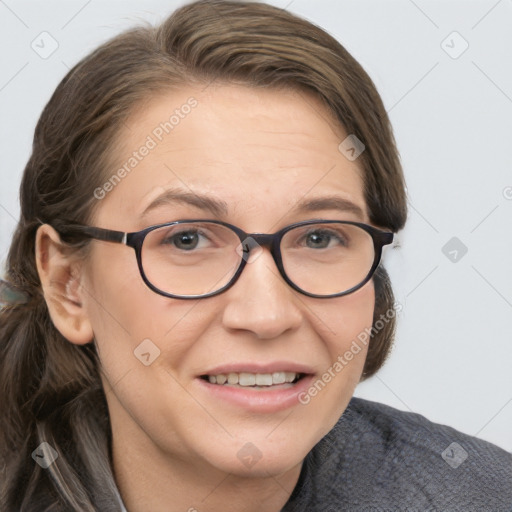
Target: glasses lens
[[193, 258], [326, 259]]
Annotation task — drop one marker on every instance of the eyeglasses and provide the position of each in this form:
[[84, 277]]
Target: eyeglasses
[[191, 259]]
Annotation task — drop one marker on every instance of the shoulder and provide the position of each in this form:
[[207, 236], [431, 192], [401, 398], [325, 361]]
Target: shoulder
[[409, 431], [412, 434], [378, 456]]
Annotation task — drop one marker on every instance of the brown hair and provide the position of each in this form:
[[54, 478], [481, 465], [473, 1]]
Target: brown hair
[[52, 388]]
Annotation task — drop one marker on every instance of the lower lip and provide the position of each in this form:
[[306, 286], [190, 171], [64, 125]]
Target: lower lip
[[258, 400]]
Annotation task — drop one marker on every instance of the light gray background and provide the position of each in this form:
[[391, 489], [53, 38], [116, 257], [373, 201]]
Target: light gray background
[[453, 123]]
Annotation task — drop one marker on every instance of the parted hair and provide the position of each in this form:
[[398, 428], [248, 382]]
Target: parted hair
[[51, 388]]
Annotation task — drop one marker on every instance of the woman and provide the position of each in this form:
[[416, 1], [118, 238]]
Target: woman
[[196, 290]]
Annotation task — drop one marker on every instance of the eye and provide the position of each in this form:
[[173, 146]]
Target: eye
[[324, 239], [186, 240]]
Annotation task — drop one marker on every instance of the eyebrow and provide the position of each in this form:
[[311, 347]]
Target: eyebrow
[[213, 205], [329, 203], [218, 207]]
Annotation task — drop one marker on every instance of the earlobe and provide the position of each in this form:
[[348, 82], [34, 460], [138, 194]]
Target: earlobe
[[60, 279]]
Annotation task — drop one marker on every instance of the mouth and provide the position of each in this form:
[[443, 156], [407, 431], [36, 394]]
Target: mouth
[[258, 387], [255, 381]]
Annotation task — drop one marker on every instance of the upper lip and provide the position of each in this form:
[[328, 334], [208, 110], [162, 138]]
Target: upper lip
[[253, 367]]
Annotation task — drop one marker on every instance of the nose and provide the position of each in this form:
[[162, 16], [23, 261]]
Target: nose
[[261, 302]]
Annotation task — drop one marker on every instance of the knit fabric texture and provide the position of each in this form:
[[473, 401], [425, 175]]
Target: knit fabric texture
[[380, 459]]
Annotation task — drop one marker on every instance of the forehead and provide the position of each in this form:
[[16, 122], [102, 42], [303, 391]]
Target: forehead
[[260, 151]]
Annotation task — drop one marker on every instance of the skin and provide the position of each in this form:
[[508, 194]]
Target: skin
[[174, 446]]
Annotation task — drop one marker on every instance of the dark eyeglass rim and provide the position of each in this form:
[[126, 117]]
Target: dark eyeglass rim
[[271, 241]]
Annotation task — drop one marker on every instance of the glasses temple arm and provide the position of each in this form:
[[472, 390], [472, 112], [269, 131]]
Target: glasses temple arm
[[107, 235]]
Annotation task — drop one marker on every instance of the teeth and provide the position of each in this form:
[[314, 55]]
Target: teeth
[[263, 379], [247, 379], [289, 376], [222, 379], [279, 377], [253, 379]]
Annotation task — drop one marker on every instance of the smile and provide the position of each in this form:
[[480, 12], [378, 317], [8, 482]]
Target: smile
[[261, 389], [254, 380]]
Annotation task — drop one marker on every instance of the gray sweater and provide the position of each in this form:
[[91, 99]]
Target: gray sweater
[[380, 459]]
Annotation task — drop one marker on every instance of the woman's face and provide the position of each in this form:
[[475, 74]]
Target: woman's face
[[264, 156]]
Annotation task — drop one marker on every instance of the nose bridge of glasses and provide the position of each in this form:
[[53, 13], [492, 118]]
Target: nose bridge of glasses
[[253, 243], [259, 239]]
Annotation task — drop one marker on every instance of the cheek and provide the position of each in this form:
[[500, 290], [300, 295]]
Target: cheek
[[121, 309], [345, 326], [348, 320]]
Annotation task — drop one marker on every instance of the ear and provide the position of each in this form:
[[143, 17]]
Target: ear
[[60, 278]]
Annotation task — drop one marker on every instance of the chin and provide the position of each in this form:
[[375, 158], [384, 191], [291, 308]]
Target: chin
[[264, 467], [260, 459]]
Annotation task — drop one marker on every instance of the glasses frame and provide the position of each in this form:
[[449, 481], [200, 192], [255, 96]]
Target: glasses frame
[[271, 241]]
